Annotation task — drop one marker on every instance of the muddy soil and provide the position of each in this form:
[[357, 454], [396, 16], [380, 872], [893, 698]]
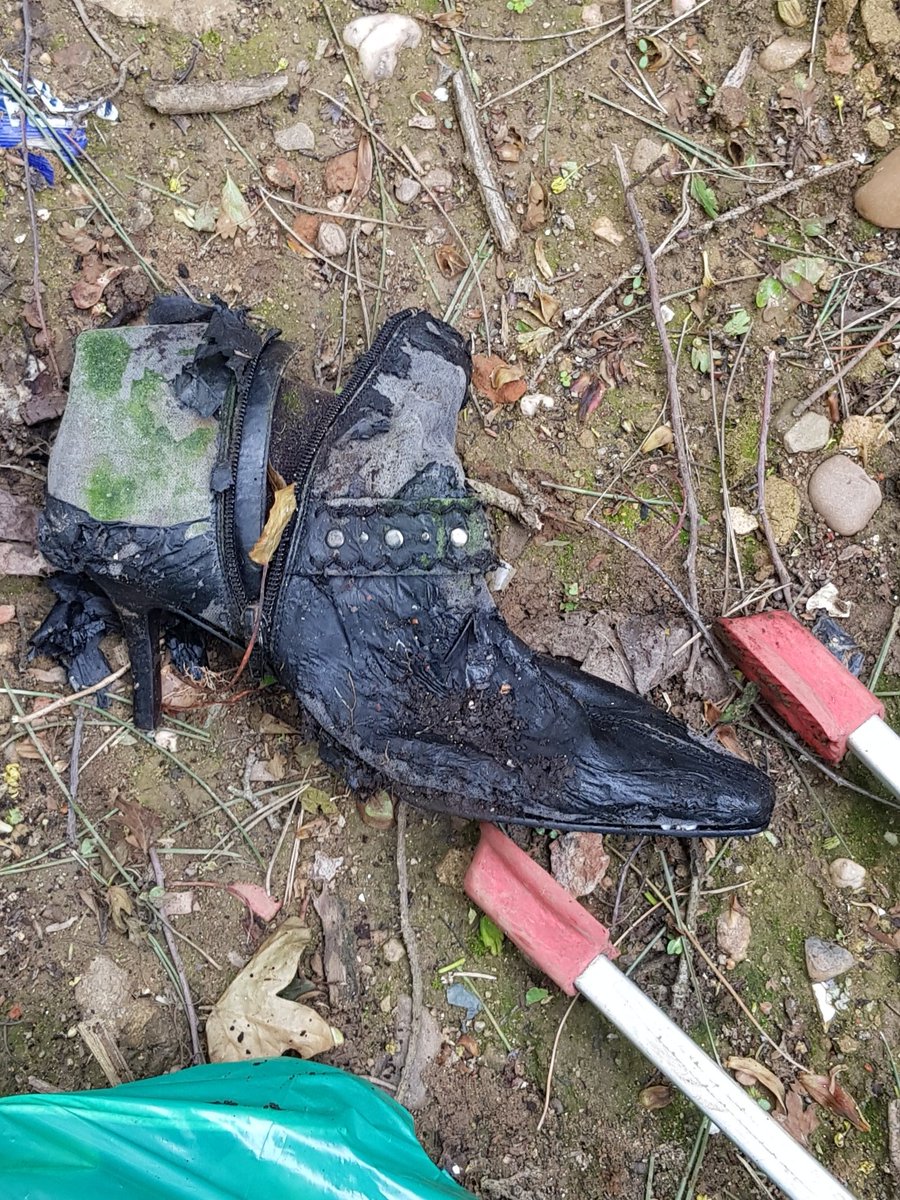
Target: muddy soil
[[482, 1093]]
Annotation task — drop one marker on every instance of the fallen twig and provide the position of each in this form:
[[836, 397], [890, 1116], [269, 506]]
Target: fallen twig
[[71, 827], [628, 21], [762, 512], [213, 96], [826, 387], [412, 954], [98, 1037], [92, 32], [681, 986], [506, 502], [64, 701], [498, 214], [560, 1028], [177, 962], [733, 214], [675, 408]]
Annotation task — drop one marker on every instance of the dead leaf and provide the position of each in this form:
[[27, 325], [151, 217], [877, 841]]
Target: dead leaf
[[604, 229], [251, 1019], [340, 173], [449, 20], [257, 899], [176, 904], [76, 237], [827, 1092], [143, 823], [284, 505], [540, 258], [661, 438], [733, 931], [508, 145], [18, 517], [120, 906], [757, 1073], [282, 174], [449, 260], [201, 219], [659, 1095], [273, 725], [86, 295], [838, 55], [726, 735], [544, 307], [7, 612], [538, 208], [504, 375], [306, 226], [802, 1119], [235, 211], [484, 367], [365, 162]]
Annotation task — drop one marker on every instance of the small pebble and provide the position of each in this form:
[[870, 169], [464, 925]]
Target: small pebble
[[843, 495], [826, 960], [331, 239], [579, 862], [296, 137], [742, 522], [809, 434], [406, 190], [845, 873], [784, 53], [392, 950], [438, 179]]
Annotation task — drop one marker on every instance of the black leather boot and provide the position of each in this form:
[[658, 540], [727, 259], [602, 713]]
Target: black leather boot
[[375, 613]]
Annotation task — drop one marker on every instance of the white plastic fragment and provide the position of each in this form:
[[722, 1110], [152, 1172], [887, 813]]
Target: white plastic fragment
[[532, 402], [378, 39], [827, 598]]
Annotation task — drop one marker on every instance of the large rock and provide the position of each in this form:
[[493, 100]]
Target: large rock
[[826, 960], [882, 25], [843, 495], [579, 862], [197, 16], [878, 199]]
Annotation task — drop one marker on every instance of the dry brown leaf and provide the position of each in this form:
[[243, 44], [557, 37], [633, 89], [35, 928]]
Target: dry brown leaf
[[659, 439], [449, 20], [726, 735], [120, 906], [340, 173], [509, 146], [827, 1092], [547, 306], [538, 208], [306, 226], [802, 1119], [365, 162], [77, 238], [449, 260], [284, 505], [838, 55], [504, 375], [758, 1074], [257, 899], [282, 174], [604, 229], [659, 1095], [540, 258], [7, 612], [484, 367], [251, 1020], [179, 693], [733, 931], [86, 295], [143, 823]]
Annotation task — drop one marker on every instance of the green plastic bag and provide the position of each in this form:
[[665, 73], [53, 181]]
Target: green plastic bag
[[270, 1129]]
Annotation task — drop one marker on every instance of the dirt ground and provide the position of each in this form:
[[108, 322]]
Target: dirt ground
[[581, 456]]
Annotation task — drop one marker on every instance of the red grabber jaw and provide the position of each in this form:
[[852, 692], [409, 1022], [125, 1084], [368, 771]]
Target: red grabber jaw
[[812, 692], [564, 941]]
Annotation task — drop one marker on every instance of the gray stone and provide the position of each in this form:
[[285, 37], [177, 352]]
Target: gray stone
[[438, 179], [810, 433], [843, 495], [826, 960], [393, 950], [881, 22], [579, 862], [197, 16], [784, 53], [406, 190], [878, 198], [296, 137]]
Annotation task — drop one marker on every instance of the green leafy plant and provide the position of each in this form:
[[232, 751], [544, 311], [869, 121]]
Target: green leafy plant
[[644, 47], [701, 359], [704, 195], [490, 936], [519, 6], [536, 995], [769, 291], [675, 946], [737, 324], [570, 604]]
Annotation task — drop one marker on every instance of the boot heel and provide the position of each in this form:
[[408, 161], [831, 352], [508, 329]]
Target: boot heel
[[140, 628]]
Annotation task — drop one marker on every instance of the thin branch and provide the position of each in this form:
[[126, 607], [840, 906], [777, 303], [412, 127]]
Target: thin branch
[[64, 701], [675, 407], [498, 214], [71, 827], [763, 513], [550, 1068], [179, 966], [412, 954], [93, 34], [826, 387], [628, 21]]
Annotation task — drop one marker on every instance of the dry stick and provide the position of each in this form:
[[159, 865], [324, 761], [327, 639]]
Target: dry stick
[[733, 214], [179, 967], [64, 701], [717, 654], [726, 498], [826, 387], [29, 192], [412, 954], [675, 409], [92, 32], [682, 984], [763, 513], [498, 214], [628, 21], [560, 1028], [71, 828], [407, 166]]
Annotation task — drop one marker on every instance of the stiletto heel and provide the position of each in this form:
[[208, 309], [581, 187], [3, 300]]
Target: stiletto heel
[[140, 628]]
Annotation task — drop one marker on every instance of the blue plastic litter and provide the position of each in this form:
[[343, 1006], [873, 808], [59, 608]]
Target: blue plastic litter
[[58, 132], [460, 997], [836, 639]]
